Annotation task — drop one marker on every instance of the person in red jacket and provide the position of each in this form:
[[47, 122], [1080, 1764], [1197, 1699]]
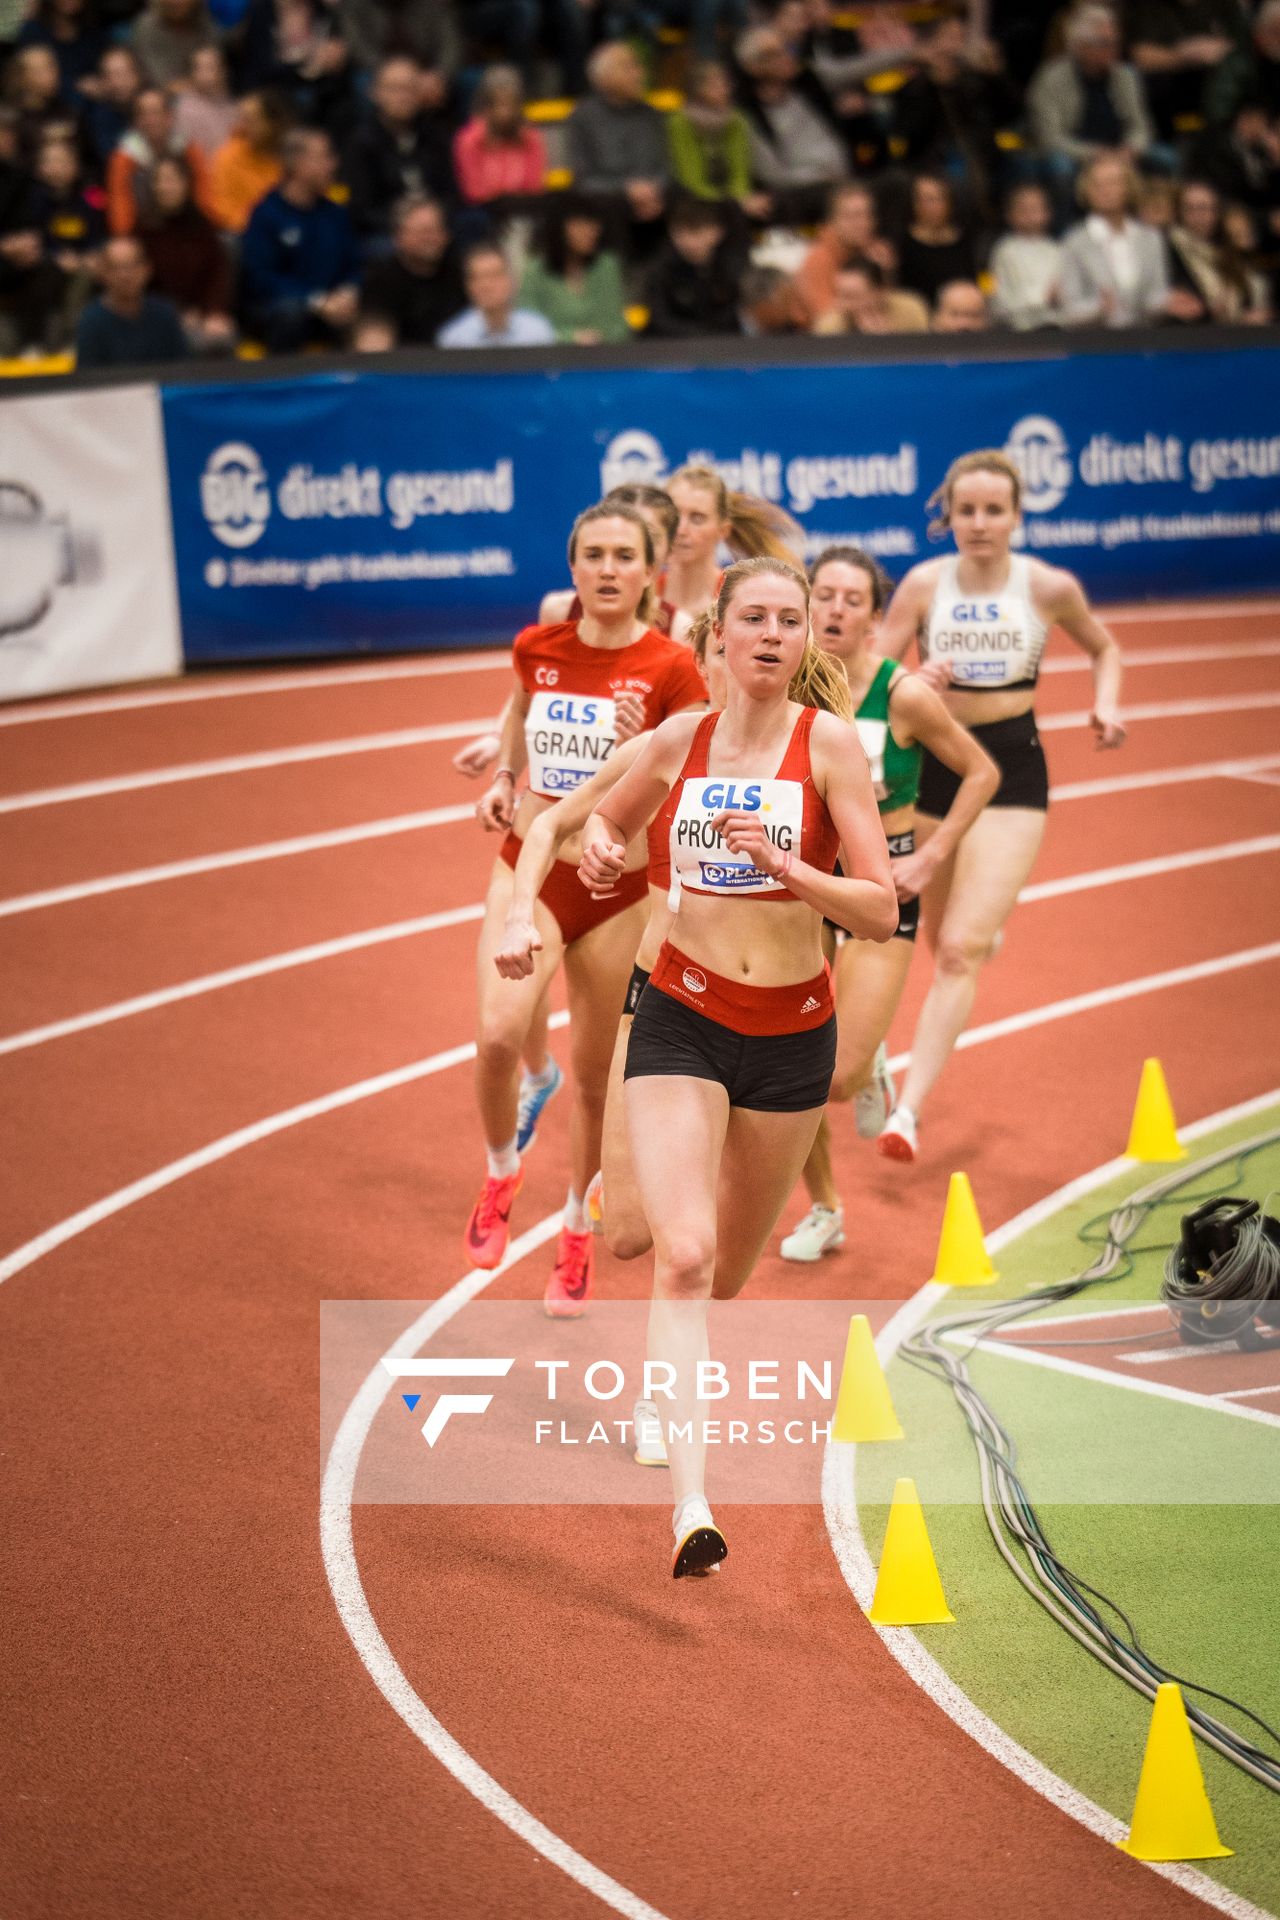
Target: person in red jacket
[[131, 168]]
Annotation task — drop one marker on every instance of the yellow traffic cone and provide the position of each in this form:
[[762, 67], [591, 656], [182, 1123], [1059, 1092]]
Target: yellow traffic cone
[[864, 1410], [908, 1590], [1172, 1817], [963, 1260], [1154, 1132]]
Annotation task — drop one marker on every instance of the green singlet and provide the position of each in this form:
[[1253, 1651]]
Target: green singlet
[[895, 769]]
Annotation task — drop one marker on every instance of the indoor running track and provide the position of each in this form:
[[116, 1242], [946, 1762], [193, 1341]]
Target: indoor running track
[[238, 922]]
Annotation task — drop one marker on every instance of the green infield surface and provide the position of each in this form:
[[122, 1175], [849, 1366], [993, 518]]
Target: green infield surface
[[1151, 1486]]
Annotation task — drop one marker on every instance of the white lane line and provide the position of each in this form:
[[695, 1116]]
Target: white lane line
[[1165, 710], [237, 857], [1149, 869], [1165, 777], [1139, 657], [1158, 1389], [219, 684], [1245, 1393], [1157, 1356], [1260, 779], [1078, 1319], [242, 763], [844, 1528], [234, 976], [1195, 610]]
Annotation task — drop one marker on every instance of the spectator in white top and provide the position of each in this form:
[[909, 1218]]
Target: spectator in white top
[[1087, 101], [961, 307], [1114, 271], [493, 319], [1026, 263]]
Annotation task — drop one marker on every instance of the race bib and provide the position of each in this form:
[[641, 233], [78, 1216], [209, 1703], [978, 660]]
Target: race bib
[[872, 734], [994, 653], [569, 736], [699, 858]]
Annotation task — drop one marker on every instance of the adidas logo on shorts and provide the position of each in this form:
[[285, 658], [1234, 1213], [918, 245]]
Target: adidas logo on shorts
[[811, 1005]]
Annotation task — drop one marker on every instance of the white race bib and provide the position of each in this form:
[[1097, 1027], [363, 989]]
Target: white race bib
[[984, 642], [569, 736], [872, 734], [699, 858]]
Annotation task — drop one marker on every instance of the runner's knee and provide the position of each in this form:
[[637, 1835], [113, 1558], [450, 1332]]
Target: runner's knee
[[685, 1267], [961, 954]]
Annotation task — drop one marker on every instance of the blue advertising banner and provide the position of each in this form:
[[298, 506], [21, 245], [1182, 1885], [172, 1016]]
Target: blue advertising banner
[[361, 511]]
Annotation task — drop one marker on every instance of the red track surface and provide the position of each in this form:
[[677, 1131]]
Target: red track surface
[[190, 1730]]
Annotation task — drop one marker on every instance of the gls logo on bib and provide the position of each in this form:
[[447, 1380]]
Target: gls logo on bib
[[698, 853], [568, 738]]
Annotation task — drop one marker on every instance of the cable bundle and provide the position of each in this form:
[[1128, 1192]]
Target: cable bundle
[[1224, 1273]]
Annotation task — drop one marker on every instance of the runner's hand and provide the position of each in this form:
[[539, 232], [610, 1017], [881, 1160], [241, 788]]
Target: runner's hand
[[912, 872], [497, 810], [628, 717], [935, 674], [1108, 729], [744, 834], [520, 941], [478, 755], [601, 867]]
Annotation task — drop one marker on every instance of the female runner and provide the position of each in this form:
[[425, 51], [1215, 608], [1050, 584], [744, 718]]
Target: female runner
[[733, 1041], [897, 716], [981, 617], [561, 724], [710, 516]]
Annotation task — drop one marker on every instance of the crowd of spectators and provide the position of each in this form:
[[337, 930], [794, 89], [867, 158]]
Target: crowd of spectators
[[192, 176]]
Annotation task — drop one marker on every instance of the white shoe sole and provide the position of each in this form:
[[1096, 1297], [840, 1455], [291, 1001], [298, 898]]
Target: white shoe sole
[[811, 1259]]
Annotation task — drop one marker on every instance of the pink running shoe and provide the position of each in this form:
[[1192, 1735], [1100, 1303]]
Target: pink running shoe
[[489, 1228], [569, 1287]]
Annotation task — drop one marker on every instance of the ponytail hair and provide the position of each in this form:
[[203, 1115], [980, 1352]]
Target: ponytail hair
[[992, 460], [635, 493], [819, 680], [609, 509], [756, 528]]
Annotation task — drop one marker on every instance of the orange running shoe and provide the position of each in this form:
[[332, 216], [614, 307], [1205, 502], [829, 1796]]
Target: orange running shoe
[[569, 1287], [489, 1228]]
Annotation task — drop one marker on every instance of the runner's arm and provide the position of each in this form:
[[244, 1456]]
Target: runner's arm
[[924, 720], [1070, 608]]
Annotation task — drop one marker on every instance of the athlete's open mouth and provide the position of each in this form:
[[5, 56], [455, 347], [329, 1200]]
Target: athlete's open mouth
[[769, 659]]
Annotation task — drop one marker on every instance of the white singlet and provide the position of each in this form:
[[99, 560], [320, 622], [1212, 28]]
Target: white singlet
[[992, 641]]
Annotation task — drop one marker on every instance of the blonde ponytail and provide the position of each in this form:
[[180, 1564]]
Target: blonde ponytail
[[756, 529], [820, 681]]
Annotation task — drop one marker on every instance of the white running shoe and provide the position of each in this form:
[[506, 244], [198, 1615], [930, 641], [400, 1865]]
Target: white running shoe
[[873, 1103], [898, 1140], [821, 1231], [651, 1448], [700, 1545]]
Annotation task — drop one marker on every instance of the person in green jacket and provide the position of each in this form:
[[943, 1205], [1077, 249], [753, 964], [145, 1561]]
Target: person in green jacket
[[710, 138], [573, 278]]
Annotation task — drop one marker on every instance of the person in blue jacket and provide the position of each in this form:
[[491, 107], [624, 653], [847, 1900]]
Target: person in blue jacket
[[298, 266]]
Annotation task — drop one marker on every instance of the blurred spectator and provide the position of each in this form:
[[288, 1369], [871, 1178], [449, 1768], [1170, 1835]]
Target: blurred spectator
[[961, 307], [768, 303], [1205, 264], [617, 142], [244, 170], [130, 167], [844, 57], [296, 48], [167, 35], [34, 90], [298, 260], [831, 66], [1113, 268], [692, 287], [1250, 73], [1026, 263], [707, 22], [493, 319], [32, 287], [573, 279], [1086, 101], [398, 149], [864, 304], [76, 40], [1242, 160], [204, 114], [497, 155], [1175, 45], [950, 110], [424, 30], [127, 326], [418, 288], [109, 112], [1153, 201], [373, 333], [937, 245], [710, 138], [505, 32], [796, 153], [189, 264], [71, 220], [851, 234]]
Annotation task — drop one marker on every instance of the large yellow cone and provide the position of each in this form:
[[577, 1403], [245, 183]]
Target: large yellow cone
[[1154, 1132], [864, 1410], [908, 1591], [963, 1260], [1172, 1818]]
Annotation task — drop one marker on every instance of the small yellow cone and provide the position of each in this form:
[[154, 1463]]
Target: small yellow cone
[[864, 1410], [1154, 1133], [1172, 1817], [908, 1590], [963, 1260]]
